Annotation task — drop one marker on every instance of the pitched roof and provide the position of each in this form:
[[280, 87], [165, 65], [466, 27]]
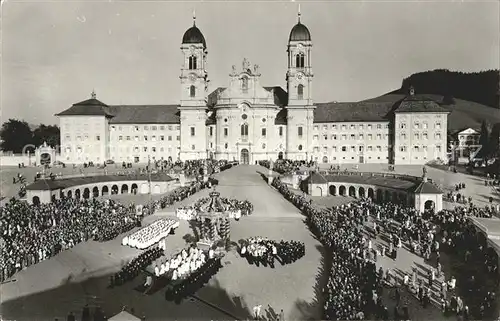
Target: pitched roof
[[89, 107], [316, 178], [419, 104], [360, 111], [144, 114], [427, 188]]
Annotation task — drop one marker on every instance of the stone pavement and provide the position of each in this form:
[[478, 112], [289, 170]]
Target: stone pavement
[[80, 275]]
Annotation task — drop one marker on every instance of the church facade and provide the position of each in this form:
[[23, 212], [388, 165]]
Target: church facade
[[248, 122]]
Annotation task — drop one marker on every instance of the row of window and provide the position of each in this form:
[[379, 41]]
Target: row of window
[[352, 127], [423, 136], [153, 138], [417, 148], [352, 137], [128, 138], [146, 127], [352, 148], [135, 149], [417, 125], [80, 138]]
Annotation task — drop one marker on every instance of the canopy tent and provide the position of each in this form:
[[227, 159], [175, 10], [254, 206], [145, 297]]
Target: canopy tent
[[124, 316]]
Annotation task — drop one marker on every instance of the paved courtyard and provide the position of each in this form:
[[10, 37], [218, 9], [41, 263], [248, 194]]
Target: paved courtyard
[[73, 278], [78, 276]]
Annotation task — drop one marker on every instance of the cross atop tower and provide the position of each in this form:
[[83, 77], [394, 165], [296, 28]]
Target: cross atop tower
[[194, 16], [93, 95], [298, 14]]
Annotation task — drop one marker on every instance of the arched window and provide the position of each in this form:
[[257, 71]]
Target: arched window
[[192, 91], [299, 60], [300, 91], [244, 130], [192, 63], [300, 147], [244, 84]]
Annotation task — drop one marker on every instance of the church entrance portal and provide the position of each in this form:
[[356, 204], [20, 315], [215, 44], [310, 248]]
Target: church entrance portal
[[245, 157]]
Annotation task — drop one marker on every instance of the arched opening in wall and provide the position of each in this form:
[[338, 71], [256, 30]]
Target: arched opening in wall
[[61, 194], [429, 205], [244, 158], [134, 188], [395, 198], [105, 191], [192, 91], [352, 191], [333, 190], [342, 190], [371, 193], [144, 188], [362, 192], [45, 159], [280, 155], [114, 189], [77, 193], [36, 200], [319, 190], [380, 196], [299, 60], [86, 193], [124, 189], [69, 194], [300, 91], [325, 159], [156, 189], [387, 196], [95, 191], [53, 198]]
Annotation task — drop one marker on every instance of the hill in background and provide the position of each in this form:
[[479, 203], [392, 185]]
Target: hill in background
[[480, 87], [463, 113]]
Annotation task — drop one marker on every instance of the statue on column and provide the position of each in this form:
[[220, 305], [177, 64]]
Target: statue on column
[[245, 64], [424, 172]]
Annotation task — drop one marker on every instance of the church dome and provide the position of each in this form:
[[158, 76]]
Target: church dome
[[300, 33], [194, 35]]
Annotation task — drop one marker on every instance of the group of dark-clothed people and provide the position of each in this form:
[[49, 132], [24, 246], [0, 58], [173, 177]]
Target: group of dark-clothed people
[[285, 166], [32, 233], [134, 267], [179, 289], [259, 250], [354, 287], [448, 231]]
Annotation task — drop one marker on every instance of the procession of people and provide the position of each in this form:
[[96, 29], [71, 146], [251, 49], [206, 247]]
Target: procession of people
[[261, 250], [355, 287], [136, 266]]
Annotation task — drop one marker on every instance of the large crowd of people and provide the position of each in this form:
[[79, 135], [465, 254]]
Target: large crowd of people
[[33, 233], [261, 250], [136, 266], [354, 288], [286, 166]]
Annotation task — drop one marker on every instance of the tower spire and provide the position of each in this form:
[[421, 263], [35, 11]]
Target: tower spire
[[194, 16], [93, 95], [298, 14]]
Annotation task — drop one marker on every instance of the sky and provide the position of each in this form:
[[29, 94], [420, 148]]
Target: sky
[[55, 53]]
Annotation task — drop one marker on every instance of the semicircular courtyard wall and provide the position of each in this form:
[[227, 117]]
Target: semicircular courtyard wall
[[97, 189]]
